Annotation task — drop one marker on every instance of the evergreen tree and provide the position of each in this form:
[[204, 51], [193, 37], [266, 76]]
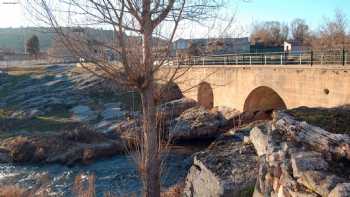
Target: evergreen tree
[[33, 45]]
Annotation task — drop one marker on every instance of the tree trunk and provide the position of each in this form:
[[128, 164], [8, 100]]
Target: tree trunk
[[150, 156], [150, 144]]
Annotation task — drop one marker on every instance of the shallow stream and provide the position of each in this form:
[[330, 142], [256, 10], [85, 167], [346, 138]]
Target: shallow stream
[[117, 175]]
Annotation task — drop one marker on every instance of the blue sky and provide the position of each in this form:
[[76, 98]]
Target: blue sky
[[313, 11]]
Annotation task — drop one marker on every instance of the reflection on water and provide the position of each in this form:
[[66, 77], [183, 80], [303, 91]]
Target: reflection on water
[[117, 174]]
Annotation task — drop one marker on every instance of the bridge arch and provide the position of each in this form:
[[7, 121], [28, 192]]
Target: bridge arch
[[205, 95], [263, 98]]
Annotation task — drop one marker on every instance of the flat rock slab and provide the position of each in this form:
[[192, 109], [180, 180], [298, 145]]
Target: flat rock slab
[[226, 168], [258, 136], [341, 190], [197, 123], [305, 161]]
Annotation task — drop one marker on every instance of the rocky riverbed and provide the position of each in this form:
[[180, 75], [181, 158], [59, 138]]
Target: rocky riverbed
[[58, 121]]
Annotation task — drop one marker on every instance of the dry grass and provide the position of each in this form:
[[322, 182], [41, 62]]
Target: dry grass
[[26, 70], [174, 191], [13, 191], [84, 186]]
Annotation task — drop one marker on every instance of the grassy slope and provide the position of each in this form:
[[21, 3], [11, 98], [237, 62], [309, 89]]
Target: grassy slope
[[335, 120], [59, 117], [15, 38]]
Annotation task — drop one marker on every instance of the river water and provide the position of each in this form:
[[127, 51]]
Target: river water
[[117, 174]]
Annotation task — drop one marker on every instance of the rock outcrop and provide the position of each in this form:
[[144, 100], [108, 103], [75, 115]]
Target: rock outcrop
[[66, 148], [127, 130], [227, 168], [299, 159], [172, 109], [197, 123], [227, 112], [165, 92]]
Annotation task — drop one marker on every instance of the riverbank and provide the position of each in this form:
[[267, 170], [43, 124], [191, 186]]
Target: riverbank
[[59, 122]]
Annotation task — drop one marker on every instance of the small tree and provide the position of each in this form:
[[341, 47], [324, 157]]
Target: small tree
[[136, 24], [33, 46]]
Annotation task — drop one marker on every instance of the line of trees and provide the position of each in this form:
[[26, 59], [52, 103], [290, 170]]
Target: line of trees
[[332, 33]]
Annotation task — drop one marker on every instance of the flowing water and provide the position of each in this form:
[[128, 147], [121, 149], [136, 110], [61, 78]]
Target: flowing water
[[117, 175]]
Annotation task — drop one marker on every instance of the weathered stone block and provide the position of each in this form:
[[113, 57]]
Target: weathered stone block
[[341, 190], [305, 161], [320, 182], [259, 139]]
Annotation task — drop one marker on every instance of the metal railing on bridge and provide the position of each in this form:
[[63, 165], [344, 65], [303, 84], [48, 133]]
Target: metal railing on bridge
[[331, 57]]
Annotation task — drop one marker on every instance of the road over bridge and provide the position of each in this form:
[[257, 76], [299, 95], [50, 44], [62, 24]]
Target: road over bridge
[[262, 87]]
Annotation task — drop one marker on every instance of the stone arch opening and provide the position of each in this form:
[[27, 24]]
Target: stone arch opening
[[205, 95], [263, 98]]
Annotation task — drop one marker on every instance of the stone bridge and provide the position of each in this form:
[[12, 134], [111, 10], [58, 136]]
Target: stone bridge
[[263, 87]]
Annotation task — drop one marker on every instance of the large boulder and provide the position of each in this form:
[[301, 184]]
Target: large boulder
[[249, 117], [227, 168], [319, 181], [67, 147], [196, 123], [341, 190], [172, 109], [21, 149], [258, 136], [165, 92], [312, 165], [228, 112], [128, 130], [307, 161], [4, 156]]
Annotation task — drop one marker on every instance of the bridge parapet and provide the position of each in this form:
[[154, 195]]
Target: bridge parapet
[[332, 57]]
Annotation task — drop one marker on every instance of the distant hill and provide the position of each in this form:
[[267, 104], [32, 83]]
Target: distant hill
[[15, 38]]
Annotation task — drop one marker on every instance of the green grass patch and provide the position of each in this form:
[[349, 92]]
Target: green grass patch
[[335, 120], [41, 124], [247, 192], [11, 84], [131, 100]]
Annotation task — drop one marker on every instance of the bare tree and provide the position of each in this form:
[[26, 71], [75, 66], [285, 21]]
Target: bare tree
[[300, 31], [332, 34], [270, 33], [144, 30]]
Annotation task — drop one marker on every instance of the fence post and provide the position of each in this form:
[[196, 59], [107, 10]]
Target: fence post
[[312, 58], [203, 61], [285, 58], [300, 59], [265, 59], [236, 60], [250, 60], [281, 59], [224, 60], [343, 58]]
